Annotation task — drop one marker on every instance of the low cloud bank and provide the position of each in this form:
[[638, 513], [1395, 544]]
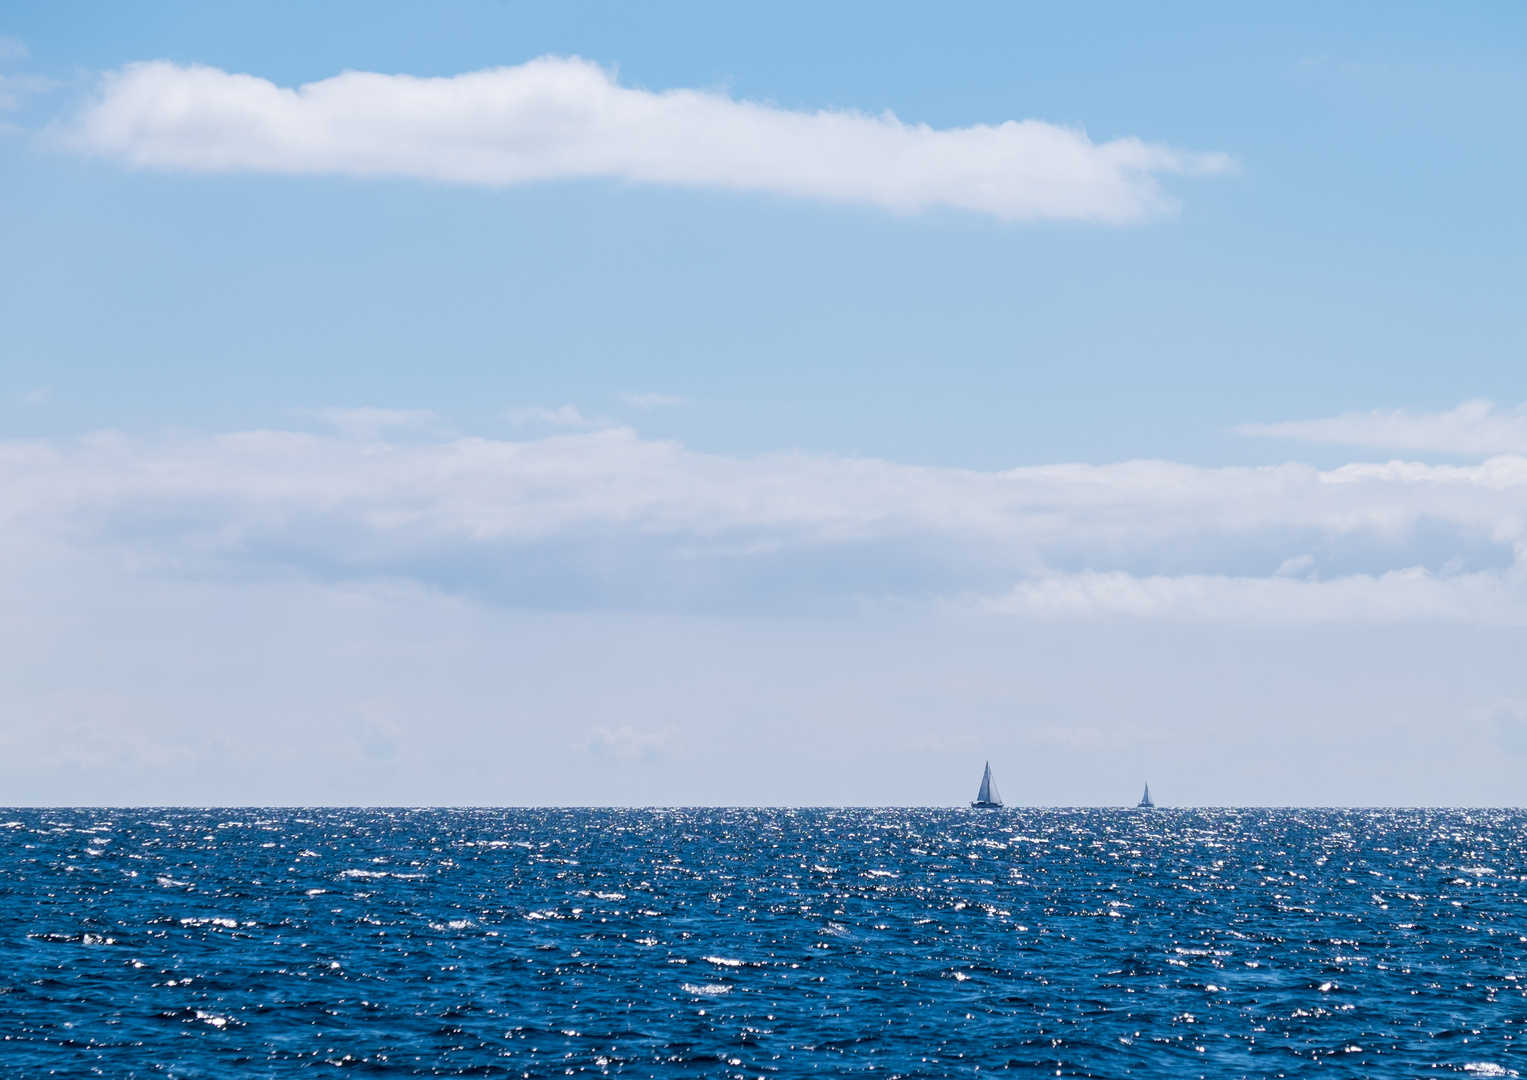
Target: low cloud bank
[[607, 519], [562, 118]]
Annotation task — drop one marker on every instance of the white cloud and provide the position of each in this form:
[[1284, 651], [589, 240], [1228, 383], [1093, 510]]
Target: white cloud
[[556, 118], [653, 401], [1475, 427], [1488, 597], [608, 519], [566, 416], [625, 743], [375, 734], [369, 422], [12, 48], [15, 89], [1508, 718], [79, 730]]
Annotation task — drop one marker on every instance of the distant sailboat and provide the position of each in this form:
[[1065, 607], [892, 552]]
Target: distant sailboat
[[987, 798], [1145, 800]]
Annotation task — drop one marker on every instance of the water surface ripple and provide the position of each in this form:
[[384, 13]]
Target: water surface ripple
[[748, 943]]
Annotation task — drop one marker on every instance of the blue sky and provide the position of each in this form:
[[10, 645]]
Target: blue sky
[[760, 431]]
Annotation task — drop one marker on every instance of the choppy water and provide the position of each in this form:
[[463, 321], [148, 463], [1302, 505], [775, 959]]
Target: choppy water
[[762, 943]]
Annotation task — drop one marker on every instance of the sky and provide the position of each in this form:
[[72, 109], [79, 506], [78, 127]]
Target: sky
[[792, 404]]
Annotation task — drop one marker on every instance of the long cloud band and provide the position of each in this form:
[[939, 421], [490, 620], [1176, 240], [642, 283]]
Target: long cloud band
[[557, 118], [610, 519]]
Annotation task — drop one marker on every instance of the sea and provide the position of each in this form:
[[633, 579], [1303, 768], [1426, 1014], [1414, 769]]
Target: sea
[[763, 943]]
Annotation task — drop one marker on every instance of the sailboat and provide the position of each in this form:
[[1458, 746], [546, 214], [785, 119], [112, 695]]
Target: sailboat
[[987, 798], [1145, 800]]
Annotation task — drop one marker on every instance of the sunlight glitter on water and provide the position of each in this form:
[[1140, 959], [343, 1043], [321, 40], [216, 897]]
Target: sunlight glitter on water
[[705, 943]]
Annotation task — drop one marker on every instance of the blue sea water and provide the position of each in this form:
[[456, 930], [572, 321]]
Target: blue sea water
[[773, 943]]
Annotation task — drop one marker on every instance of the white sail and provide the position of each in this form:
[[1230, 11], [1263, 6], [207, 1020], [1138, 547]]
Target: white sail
[[988, 795]]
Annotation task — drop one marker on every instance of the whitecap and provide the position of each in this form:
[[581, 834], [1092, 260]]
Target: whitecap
[[723, 961], [707, 989]]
